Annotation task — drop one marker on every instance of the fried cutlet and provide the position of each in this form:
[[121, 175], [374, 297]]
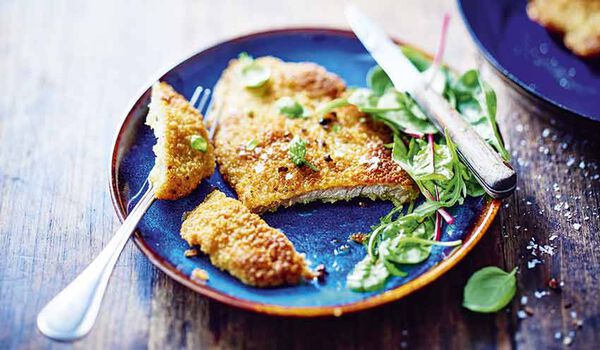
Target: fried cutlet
[[243, 244], [578, 20], [345, 148], [179, 167]]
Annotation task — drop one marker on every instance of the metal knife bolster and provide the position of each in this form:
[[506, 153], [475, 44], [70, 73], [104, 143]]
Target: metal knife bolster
[[496, 176]]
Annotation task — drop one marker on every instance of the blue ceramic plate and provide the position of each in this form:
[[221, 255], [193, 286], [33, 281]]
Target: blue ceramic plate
[[533, 58], [319, 230]]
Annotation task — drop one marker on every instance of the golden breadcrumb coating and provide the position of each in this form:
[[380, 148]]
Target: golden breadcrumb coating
[[243, 244], [345, 145], [178, 168], [578, 20]]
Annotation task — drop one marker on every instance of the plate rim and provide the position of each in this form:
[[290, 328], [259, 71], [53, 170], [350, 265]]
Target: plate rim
[[478, 229], [505, 73]]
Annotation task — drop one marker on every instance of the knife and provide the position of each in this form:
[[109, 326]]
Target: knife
[[496, 176]]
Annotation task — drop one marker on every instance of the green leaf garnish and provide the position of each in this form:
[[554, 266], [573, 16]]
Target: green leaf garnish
[[367, 276], [490, 289], [336, 127], [199, 143], [378, 81], [290, 108], [254, 75], [251, 145], [297, 153]]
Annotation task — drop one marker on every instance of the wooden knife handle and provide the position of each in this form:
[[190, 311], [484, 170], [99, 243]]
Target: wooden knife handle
[[496, 176]]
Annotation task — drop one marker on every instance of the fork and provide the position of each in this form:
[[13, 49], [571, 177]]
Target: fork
[[72, 312]]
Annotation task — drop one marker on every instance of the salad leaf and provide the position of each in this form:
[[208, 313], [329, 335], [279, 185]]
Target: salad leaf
[[254, 75], [378, 80], [490, 289], [476, 102], [297, 153], [417, 58], [368, 275], [395, 109]]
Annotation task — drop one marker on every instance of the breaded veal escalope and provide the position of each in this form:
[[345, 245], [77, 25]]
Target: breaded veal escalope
[[178, 168], [345, 145], [578, 20], [242, 243]]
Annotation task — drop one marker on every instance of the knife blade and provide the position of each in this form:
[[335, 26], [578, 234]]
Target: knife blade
[[496, 176]]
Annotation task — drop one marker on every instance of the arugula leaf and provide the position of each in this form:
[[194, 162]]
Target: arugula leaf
[[290, 108], [490, 289], [254, 75], [198, 143], [297, 153], [367, 275]]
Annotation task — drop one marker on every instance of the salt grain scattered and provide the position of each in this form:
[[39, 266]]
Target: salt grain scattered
[[540, 294], [557, 335], [524, 300], [576, 226], [570, 161], [521, 314], [582, 165], [532, 263], [546, 132], [553, 237]]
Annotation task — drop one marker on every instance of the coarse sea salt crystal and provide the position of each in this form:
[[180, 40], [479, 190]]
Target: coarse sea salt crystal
[[259, 168], [546, 132], [521, 314], [532, 263], [524, 300], [576, 226]]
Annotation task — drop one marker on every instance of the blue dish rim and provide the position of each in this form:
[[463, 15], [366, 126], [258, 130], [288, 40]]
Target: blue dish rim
[[509, 76], [479, 228]]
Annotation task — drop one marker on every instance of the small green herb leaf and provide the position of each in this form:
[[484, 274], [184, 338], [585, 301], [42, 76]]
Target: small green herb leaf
[[490, 289], [199, 143], [290, 108], [336, 127], [254, 75], [297, 153], [367, 275], [251, 145], [378, 80]]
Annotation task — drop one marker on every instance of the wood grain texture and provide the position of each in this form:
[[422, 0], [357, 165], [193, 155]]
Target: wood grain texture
[[68, 69]]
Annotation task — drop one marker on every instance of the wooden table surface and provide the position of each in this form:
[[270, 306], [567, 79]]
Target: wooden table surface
[[69, 68]]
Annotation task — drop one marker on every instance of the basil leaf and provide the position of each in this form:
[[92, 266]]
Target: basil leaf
[[290, 108], [378, 81], [367, 276], [198, 143], [489, 289], [254, 75], [297, 153]]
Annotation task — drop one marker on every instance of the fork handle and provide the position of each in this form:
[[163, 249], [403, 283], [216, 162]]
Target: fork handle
[[71, 314], [496, 176]]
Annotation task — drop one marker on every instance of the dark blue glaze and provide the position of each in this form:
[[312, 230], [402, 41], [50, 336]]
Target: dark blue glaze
[[532, 57], [319, 230]]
